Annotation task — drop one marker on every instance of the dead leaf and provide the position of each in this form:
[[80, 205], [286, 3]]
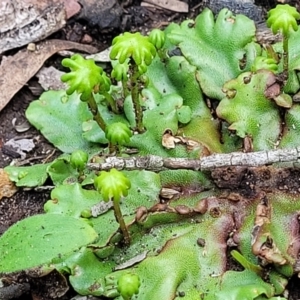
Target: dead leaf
[[20, 146], [23, 22], [49, 79], [169, 141], [138, 258], [263, 244], [7, 187], [173, 5], [20, 127], [102, 56], [16, 70], [248, 144], [168, 193]]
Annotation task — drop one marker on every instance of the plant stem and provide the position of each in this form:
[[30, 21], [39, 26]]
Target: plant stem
[[285, 56], [136, 99], [271, 52], [125, 88], [94, 110], [119, 217], [111, 101], [112, 148]]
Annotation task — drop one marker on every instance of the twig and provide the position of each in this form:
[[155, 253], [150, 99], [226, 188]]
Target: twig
[[157, 163], [28, 160]]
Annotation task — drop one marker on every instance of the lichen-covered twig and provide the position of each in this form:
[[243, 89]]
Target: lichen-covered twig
[[157, 163]]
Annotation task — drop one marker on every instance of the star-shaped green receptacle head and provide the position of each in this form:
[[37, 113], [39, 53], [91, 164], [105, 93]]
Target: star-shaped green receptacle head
[[85, 77], [120, 71], [266, 63], [113, 185], [128, 285], [157, 38], [79, 159], [118, 133], [283, 18], [135, 46]]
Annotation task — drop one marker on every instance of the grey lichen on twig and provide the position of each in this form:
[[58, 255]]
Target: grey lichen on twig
[[157, 163]]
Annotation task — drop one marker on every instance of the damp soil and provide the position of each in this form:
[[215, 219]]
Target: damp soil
[[30, 202]]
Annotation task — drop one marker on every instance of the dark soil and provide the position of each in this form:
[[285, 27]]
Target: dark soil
[[26, 203]]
